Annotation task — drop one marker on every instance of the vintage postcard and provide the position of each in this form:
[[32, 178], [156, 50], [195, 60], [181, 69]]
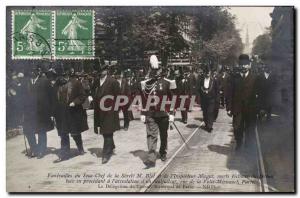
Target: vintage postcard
[[147, 99]]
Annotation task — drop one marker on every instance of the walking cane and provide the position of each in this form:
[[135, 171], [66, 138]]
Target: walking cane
[[25, 146], [187, 146]]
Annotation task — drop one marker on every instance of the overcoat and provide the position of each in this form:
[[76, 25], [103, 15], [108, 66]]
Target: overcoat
[[68, 119], [37, 105], [266, 90], [242, 94], [108, 121]]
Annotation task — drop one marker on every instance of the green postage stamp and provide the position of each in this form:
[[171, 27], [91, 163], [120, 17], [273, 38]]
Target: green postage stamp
[[74, 34], [31, 34], [53, 34]]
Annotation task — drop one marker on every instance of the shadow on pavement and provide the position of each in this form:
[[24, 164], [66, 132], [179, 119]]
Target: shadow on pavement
[[199, 119], [96, 152], [243, 160], [192, 126], [140, 153]]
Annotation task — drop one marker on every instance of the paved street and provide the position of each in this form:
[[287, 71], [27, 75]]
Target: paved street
[[213, 159], [25, 174], [210, 161]]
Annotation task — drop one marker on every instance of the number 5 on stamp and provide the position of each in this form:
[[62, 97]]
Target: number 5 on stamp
[[31, 34], [74, 34]]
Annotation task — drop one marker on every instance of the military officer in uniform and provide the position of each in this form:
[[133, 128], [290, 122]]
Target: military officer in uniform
[[156, 119]]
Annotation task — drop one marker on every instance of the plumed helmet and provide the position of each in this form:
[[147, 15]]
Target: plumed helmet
[[154, 62]]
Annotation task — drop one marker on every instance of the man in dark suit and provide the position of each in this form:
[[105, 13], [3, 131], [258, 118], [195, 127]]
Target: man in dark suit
[[208, 90], [267, 81], [184, 88], [70, 116], [107, 120], [125, 90], [223, 80], [242, 102], [37, 111], [218, 95]]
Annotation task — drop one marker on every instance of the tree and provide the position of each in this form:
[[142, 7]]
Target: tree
[[262, 46], [129, 32], [216, 37]]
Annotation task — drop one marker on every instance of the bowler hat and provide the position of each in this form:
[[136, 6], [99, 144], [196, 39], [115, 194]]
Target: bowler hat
[[244, 59]]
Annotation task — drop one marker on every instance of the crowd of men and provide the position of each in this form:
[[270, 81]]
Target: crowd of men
[[58, 98]]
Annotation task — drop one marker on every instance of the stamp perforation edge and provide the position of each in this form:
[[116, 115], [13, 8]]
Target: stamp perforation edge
[[21, 57], [79, 57], [53, 35], [12, 32]]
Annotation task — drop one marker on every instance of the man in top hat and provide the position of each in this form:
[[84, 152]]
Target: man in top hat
[[156, 119], [106, 122], [242, 102], [70, 116], [208, 90]]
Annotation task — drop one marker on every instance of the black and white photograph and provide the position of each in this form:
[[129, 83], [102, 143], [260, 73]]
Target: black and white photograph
[[150, 99]]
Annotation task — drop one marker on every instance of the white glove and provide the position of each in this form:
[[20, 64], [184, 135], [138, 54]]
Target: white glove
[[12, 92], [90, 98], [72, 104], [143, 118], [171, 118]]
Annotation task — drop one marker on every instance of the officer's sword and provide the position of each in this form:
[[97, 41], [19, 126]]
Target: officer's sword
[[187, 146]]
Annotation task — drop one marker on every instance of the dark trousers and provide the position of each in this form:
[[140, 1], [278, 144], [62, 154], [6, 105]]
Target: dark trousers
[[217, 107], [155, 125], [39, 146], [127, 117], [244, 126], [222, 99], [65, 143], [216, 111], [108, 145], [184, 115], [208, 109]]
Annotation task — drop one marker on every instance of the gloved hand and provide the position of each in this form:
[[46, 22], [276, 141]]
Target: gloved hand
[[143, 118], [90, 98], [72, 104], [96, 130], [262, 112], [171, 118]]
